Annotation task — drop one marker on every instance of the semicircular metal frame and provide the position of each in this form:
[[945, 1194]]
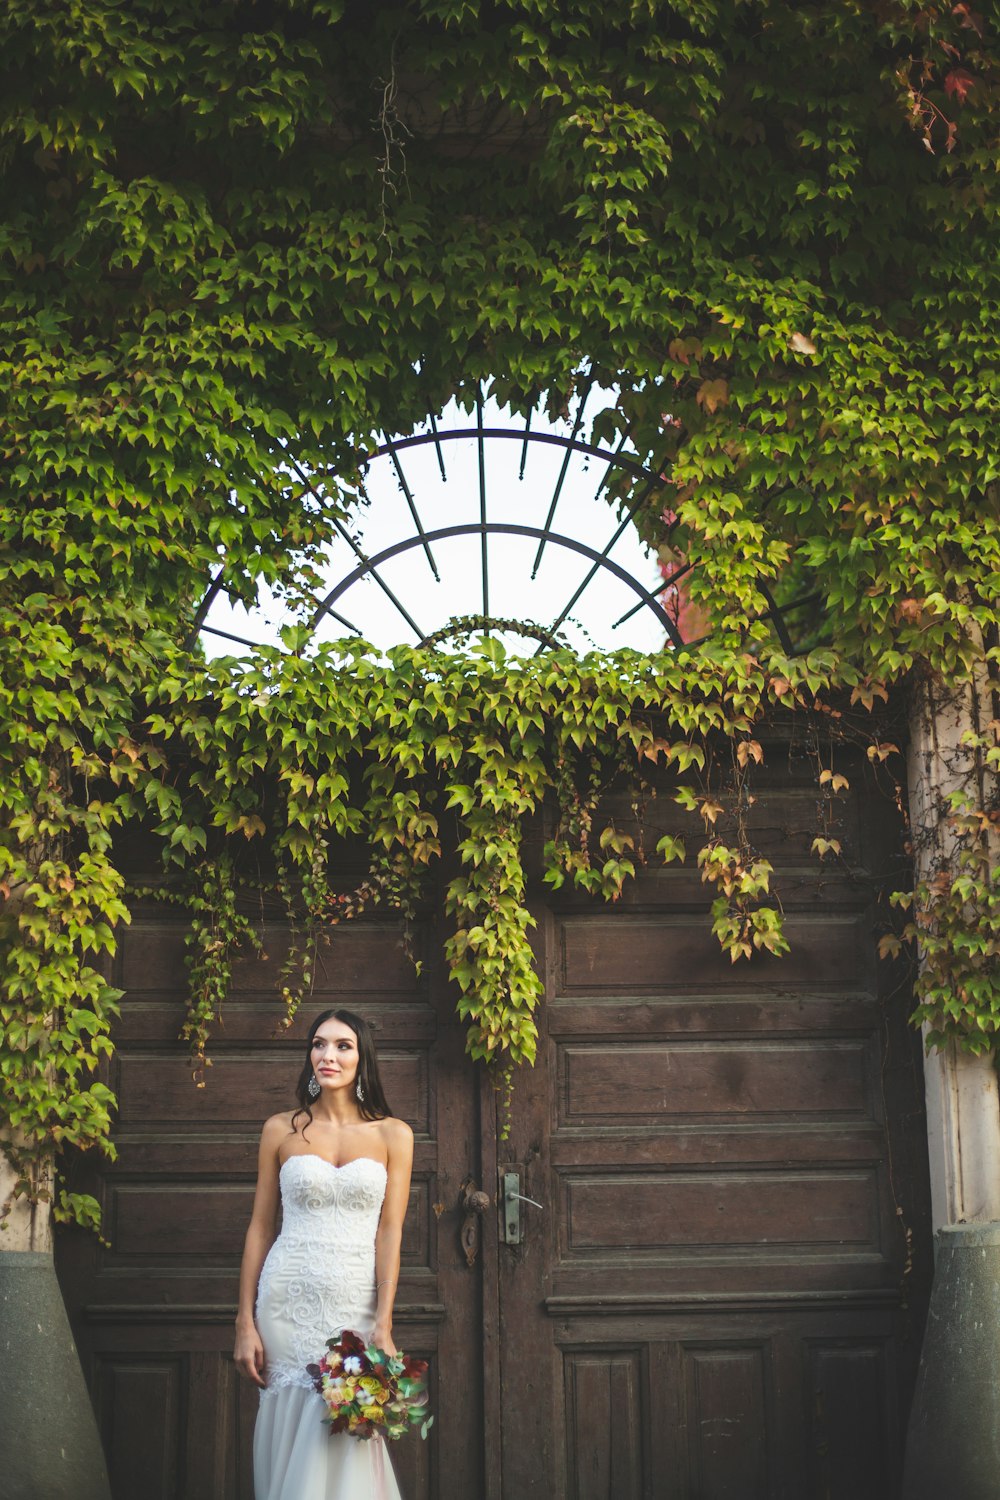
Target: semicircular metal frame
[[593, 450], [614, 458], [649, 478], [499, 528]]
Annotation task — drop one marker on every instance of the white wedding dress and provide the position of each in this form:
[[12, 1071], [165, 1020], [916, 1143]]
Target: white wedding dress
[[318, 1279]]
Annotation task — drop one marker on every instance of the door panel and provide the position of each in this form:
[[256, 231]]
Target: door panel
[[153, 1309], [716, 1302]]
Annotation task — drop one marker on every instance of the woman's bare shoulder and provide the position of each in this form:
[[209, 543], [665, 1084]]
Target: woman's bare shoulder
[[395, 1132], [276, 1127]]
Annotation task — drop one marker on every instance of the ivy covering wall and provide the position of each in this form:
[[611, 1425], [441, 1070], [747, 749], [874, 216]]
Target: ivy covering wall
[[237, 234]]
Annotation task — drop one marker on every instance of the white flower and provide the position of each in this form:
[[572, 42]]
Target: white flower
[[352, 1365]]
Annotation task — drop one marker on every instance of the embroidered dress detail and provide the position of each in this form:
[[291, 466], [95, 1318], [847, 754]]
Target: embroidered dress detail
[[317, 1280], [319, 1277]]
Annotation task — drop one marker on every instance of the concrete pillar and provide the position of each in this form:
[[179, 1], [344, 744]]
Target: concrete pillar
[[963, 1137], [963, 1100], [48, 1435], [953, 1441]]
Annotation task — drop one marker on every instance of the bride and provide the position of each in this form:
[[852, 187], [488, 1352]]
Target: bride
[[340, 1166]]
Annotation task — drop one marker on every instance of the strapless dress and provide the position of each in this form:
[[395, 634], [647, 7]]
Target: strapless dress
[[318, 1279]]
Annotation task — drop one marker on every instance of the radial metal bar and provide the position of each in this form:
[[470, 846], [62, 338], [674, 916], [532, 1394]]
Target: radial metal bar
[[644, 496], [560, 617], [524, 445], [664, 584], [413, 507], [610, 465], [227, 635], [437, 446], [213, 592], [483, 545], [210, 596], [562, 477], [773, 613], [800, 602], [342, 620], [342, 530], [369, 567], [499, 528]]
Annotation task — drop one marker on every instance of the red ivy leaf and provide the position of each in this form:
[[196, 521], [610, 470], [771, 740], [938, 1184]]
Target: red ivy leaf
[[958, 82], [969, 18]]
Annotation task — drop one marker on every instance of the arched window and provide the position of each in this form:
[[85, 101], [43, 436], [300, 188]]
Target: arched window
[[489, 523]]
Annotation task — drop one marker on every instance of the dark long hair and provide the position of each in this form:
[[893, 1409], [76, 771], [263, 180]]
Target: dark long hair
[[374, 1106]]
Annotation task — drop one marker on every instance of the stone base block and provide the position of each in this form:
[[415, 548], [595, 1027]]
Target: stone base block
[[49, 1447], [953, 1442]]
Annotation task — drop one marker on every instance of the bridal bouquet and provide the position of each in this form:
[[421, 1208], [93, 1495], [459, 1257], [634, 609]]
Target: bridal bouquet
[[368, 1391]]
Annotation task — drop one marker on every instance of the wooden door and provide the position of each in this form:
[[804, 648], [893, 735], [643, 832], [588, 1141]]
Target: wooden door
[[717, 1299], [722, 1294], [153, 1309]]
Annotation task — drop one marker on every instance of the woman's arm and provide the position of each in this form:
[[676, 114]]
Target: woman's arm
[[248, 1353], [388, 1240]]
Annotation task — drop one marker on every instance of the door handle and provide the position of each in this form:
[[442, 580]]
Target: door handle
[[474, 1203], [512, 1200]]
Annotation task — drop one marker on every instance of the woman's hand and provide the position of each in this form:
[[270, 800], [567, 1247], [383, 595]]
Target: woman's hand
[[248, 1354], [382, 1339]]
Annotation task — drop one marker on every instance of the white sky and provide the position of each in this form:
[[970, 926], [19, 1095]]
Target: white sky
[[513, 594]]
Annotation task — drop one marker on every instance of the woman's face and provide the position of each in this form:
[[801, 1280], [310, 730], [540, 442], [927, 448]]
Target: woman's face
[[334, 1055]]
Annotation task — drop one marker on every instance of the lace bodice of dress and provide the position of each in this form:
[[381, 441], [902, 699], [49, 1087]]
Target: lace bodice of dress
[[336, 1207], [319, 1275]]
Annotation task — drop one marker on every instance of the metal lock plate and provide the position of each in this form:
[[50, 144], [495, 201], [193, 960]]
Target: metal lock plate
[[512, 1200], [511, 1208]]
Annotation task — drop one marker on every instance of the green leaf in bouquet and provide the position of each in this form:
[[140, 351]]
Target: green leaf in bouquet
[[425, 1427]]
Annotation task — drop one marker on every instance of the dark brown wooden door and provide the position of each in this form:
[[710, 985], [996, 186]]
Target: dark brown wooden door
[[716, 1300], [153, 1310]]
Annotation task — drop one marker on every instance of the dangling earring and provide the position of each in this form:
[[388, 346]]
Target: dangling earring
[[312, 1087], [360, 1093]]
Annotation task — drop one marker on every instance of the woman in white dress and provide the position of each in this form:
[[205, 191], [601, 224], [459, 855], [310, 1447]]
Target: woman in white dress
[[339, 1168]]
